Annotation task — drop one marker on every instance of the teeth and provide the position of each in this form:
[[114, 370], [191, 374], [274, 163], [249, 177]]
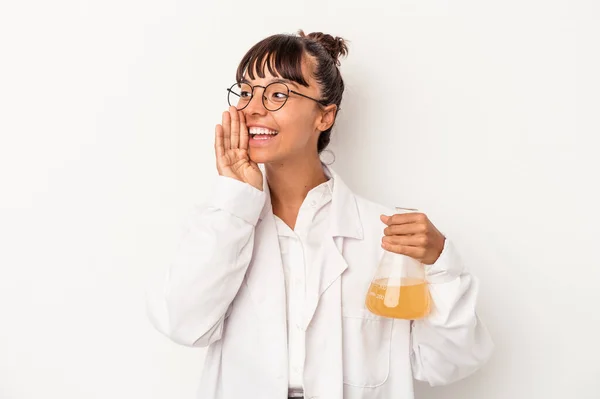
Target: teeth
[[261, 130]]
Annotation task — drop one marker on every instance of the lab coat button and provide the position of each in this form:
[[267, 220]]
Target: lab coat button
[[313, 203]]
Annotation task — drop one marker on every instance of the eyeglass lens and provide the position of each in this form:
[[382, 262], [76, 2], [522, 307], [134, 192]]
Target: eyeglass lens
[[274, 97]]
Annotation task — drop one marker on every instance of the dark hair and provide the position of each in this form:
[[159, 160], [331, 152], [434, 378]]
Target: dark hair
[[283, 54]]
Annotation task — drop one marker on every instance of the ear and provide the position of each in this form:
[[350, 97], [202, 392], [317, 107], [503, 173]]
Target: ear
[[327, 117]]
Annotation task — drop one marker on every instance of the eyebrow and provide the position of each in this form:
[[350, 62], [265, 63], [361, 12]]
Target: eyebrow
[[276, 80]]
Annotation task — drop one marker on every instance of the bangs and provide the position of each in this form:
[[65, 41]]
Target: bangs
[[281, 55]]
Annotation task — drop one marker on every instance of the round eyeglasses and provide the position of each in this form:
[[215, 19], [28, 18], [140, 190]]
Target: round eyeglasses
[[274, 97]]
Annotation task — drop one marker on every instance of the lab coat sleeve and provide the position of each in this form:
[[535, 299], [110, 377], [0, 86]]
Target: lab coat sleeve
[[451, 342], [191, 300]]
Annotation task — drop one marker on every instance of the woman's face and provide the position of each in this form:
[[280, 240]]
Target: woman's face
[[298, 123]]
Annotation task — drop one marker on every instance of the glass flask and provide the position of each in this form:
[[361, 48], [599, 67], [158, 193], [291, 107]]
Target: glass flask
[[399, 288]]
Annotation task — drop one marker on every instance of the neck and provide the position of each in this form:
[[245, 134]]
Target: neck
[[290, 182]]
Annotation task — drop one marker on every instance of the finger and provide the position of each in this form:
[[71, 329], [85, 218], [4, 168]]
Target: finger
[[414, 252], [403, 229], [235, 127], [219, 150], [410, 241], [226, 130], [243, 132], [403, 218]]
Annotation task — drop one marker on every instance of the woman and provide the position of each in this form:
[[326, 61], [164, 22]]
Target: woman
[[274, 269]]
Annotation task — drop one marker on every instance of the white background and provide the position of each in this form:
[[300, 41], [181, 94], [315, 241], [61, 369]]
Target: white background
[[482, 114]]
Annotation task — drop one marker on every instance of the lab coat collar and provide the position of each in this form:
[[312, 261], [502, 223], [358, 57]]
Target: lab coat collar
[[345, 219]]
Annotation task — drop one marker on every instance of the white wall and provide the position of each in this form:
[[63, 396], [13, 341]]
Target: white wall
[[483, 114]]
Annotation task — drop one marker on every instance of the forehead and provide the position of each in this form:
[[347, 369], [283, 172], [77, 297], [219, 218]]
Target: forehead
[[267, 80], [263, 68], [270, 78]]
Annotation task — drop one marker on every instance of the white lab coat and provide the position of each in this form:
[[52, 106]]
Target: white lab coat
[[225, 290]]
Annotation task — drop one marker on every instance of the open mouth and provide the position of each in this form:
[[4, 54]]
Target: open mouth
[[261, 133]]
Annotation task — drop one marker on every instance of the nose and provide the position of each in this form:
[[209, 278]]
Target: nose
[[255, 106]]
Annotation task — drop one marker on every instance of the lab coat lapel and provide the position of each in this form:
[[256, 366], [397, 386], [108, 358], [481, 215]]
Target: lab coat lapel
[[329, 263], [323, 270], [265, 278]]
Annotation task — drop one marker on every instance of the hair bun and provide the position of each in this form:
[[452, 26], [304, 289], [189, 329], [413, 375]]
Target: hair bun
[[335, 46]]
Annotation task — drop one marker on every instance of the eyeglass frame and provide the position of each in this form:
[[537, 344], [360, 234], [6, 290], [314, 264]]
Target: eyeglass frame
[[230, 90]]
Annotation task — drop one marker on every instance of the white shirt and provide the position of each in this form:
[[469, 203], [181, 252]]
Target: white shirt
[[297, 248]]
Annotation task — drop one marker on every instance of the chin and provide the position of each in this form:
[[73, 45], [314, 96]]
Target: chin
[[261, 156]]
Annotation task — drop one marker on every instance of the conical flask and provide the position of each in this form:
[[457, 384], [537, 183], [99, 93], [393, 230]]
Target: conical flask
[[399, 289]]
